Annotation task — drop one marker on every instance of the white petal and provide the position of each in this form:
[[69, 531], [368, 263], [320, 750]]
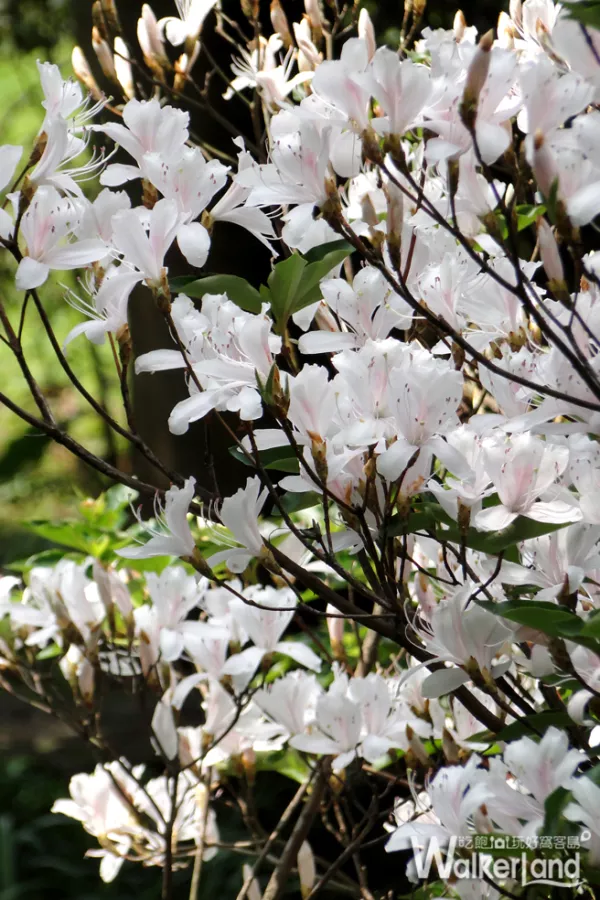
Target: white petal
[[494, 519], [584, 205], [443, 681], [194, 243], [300, 653], [163, 727], [31, 274]]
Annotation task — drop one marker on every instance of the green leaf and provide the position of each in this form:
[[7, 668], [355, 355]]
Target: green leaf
[[284, 285], [433, 518], [587, 12], [315, 272], [75, 535], [237, 289], [285, 762], [527, 214], [295, 502], [318, 254], [282, 459], [556, 621], [554, 821]]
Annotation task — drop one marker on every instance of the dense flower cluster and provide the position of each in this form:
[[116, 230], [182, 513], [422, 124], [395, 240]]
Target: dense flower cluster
[[422, 366]]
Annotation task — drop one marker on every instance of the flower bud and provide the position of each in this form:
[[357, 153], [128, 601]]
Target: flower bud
[[549, 252], [394, 221], [450, 748], [84, 73], [476, 77], [151, 41], [109, 10], [307, 871], [368, 211], [248, 759], [335, 627], [184, 66], [313, 11], [366, 31], [98, 20], [506, 32], [104, 55], [417, 747], [459, 26], [123, 68], [280, 23], [543, 165]]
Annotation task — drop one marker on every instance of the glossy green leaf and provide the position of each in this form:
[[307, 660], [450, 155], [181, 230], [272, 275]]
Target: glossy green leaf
[[237, 289], [549, 618], [282, 459], [587, 12], [318, 254], [527, 214], [431, 517], [284, 284], [286, 762]]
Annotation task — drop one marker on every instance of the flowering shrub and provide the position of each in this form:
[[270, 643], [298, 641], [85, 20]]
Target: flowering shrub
[[406, 589]]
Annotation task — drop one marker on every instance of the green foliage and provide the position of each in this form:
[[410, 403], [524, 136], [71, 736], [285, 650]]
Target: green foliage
[[292, 285], [237, 289], [587, 12], [431, 518]]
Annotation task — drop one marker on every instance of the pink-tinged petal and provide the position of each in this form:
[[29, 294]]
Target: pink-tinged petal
[[194, 243], [300, 653], [31, 274], [444, 681], [494, 519]]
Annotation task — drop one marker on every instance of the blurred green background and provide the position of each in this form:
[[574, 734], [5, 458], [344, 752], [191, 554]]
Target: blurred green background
[[42, 854]]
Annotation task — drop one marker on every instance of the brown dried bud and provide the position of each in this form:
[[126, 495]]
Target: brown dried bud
[[280, 23], [476, 78]]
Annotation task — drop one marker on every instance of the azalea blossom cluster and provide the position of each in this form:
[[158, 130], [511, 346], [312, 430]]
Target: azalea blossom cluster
[[405, 590]]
